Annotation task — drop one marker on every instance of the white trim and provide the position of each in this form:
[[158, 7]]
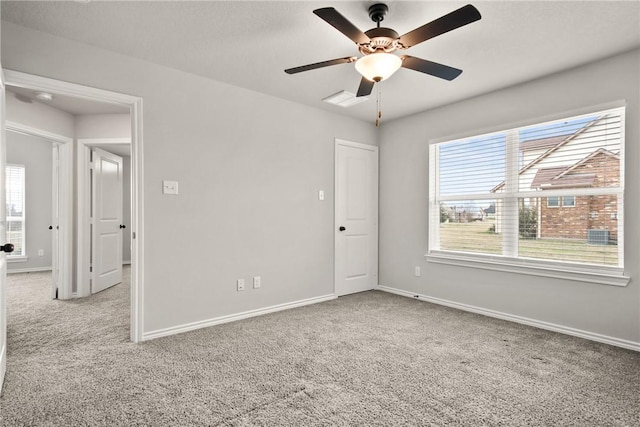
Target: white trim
[[360, 145], [618, 342], [28, 270], [30, 130], [83, 238], [597, 274], [137, 223], [65, 198], [21, 258], [30, 81], [104, 141], [19, 79], [3, 364], [126, 262], [234, 317]]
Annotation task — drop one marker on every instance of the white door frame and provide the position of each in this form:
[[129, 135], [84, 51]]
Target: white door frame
[[3, 257], [83, 157], [19, 79], [361, 146], [65, 200]]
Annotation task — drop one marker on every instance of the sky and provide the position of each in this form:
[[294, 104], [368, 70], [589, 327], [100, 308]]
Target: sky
[[476, 165]]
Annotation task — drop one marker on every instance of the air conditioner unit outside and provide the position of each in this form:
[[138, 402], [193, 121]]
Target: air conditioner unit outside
[[598, 237]]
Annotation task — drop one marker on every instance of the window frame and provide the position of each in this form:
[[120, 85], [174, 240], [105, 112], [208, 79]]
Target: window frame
[[592, 273], [13, 256]]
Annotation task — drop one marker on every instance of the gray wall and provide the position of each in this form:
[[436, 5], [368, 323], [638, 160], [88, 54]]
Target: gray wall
[[599, 309], [249, 168], [35, 154]]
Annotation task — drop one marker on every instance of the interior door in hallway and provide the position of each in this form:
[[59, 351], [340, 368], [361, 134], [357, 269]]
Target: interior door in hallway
[[356, 217], [106, 231], [3, 236]]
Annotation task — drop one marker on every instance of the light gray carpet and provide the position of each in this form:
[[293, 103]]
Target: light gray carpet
[[371, 359]]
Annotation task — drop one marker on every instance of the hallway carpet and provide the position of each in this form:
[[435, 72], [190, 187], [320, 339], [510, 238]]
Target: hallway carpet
[[369, 359]]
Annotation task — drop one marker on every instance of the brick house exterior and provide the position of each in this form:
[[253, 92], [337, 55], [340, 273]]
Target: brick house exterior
[[601, 169]]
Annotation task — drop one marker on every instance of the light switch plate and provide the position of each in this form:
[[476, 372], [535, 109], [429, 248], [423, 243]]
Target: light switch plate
[[169, 187], [321, 195]]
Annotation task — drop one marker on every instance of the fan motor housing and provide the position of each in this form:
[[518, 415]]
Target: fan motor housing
[[384, 39]]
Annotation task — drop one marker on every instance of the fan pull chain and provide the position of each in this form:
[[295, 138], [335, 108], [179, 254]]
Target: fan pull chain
[[378, 104]]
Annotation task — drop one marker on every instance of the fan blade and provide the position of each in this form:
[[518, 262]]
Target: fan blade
[[322, 64], [342, 24], [365, 88], [456, 19], [428, 67]]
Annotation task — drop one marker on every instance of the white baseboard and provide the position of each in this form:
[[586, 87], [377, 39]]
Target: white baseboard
[[28, 270], [233, 317], [631, 345]]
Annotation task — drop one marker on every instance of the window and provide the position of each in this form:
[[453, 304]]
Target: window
[[504, 195], [568, 201], [15, 209]]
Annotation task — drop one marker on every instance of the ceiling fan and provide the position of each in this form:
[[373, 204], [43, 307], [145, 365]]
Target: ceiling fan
[[378, 44]]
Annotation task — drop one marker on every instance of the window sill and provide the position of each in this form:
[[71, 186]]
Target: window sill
[[21, 258], [612, 276]]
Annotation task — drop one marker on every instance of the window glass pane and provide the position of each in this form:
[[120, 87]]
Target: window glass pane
[[553, 202], [469, 226], [586, 233], [472, 166], [15, 182], [568, 201], [15, 235]]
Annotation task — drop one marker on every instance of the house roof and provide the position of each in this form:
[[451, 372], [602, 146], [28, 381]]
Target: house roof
[[563, 176], [544, 176], [546, 179], [543, 143], [560, 141]]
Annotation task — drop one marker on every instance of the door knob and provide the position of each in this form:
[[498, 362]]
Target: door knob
[[342, 228], [51, 227], [7, 247], [123, 226]]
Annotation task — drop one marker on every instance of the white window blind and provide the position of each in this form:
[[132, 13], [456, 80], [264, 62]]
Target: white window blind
[[15, 197], [551, 192]]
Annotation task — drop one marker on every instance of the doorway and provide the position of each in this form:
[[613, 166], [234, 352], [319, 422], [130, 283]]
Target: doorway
[[134, 105], [104, 206], [60, 186], [356, 217]]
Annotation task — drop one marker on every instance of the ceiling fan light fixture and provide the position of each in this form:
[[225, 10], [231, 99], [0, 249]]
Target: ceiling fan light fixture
[[378, 66]]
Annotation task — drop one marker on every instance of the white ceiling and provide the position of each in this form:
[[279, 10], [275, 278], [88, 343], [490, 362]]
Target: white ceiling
[[249, 44]]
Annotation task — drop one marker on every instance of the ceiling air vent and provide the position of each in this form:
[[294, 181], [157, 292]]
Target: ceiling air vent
[[344, 99]]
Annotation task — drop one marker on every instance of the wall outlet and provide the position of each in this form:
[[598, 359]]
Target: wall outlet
[[417, 272], [40, 252], [240, 284], [257, 282]]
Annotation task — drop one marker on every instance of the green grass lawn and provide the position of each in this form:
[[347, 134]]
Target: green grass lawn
[[477, 237]]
